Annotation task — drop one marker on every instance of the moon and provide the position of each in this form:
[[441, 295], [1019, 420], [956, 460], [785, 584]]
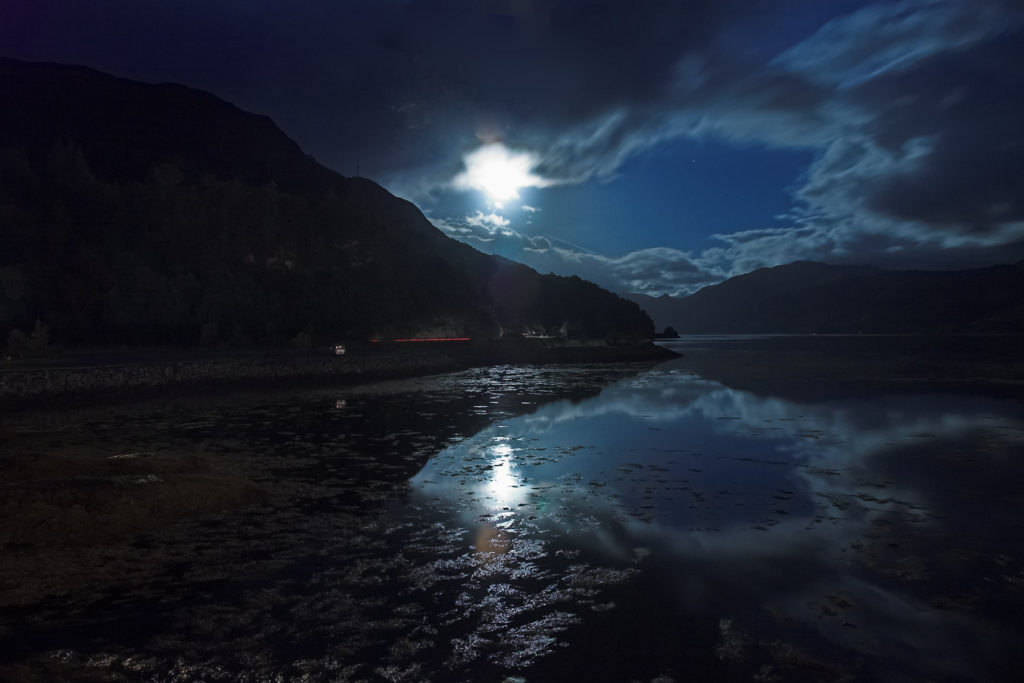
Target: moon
[[499, 172]]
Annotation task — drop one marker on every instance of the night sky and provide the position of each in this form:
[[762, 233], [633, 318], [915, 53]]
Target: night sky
[[648, 146]]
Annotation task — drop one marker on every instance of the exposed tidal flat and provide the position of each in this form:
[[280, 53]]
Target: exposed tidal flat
[[88, 376], [560, 522]]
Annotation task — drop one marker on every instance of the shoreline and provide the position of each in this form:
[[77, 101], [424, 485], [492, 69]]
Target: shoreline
[[51, 384]]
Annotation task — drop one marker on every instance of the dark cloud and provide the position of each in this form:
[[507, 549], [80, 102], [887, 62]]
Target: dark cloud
[[913, 108], [890, 37], [966, 109], [422, 79], [915, 118]]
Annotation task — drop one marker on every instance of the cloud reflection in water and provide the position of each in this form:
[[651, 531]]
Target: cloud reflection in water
[[824, 514]]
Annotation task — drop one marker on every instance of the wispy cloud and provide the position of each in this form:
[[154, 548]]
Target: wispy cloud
[[891, 37], [487, 220], [655, 271]]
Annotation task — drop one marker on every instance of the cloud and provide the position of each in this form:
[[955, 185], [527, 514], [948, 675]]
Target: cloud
[[911, 108], [482, 220], [883, 38], [491, 233], [653, 271], [751, 249], [409, 87], [842, 243]]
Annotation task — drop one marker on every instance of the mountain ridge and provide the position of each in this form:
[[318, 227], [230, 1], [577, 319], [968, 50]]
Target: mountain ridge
[[807, 297], [102, 104]]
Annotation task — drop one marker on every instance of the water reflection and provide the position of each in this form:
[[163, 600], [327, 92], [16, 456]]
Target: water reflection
[[862, 533], [557, 523]]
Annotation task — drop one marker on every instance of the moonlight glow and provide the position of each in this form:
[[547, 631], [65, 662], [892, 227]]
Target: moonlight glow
[[504, 487], [499, 172]]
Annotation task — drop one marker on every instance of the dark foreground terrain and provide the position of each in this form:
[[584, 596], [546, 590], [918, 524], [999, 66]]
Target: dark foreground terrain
[[853, 519], [85, 377]]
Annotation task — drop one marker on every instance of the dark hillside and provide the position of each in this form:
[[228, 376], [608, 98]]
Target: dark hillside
[[133, 213], [805, 298], [125, 128]]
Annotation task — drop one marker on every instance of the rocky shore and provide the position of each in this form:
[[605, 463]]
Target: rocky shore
[[55, 383]]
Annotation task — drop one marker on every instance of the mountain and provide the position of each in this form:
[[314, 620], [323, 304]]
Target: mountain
[[806, 297], [135, 213]]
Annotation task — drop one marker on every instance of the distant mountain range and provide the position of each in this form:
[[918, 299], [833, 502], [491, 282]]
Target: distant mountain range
[[135, 213], [815, 298]]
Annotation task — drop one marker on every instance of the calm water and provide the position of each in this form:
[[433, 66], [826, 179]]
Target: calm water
[[568, 524]]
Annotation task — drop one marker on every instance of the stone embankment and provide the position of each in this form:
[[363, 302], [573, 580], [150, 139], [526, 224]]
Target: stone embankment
[[50, 385]]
